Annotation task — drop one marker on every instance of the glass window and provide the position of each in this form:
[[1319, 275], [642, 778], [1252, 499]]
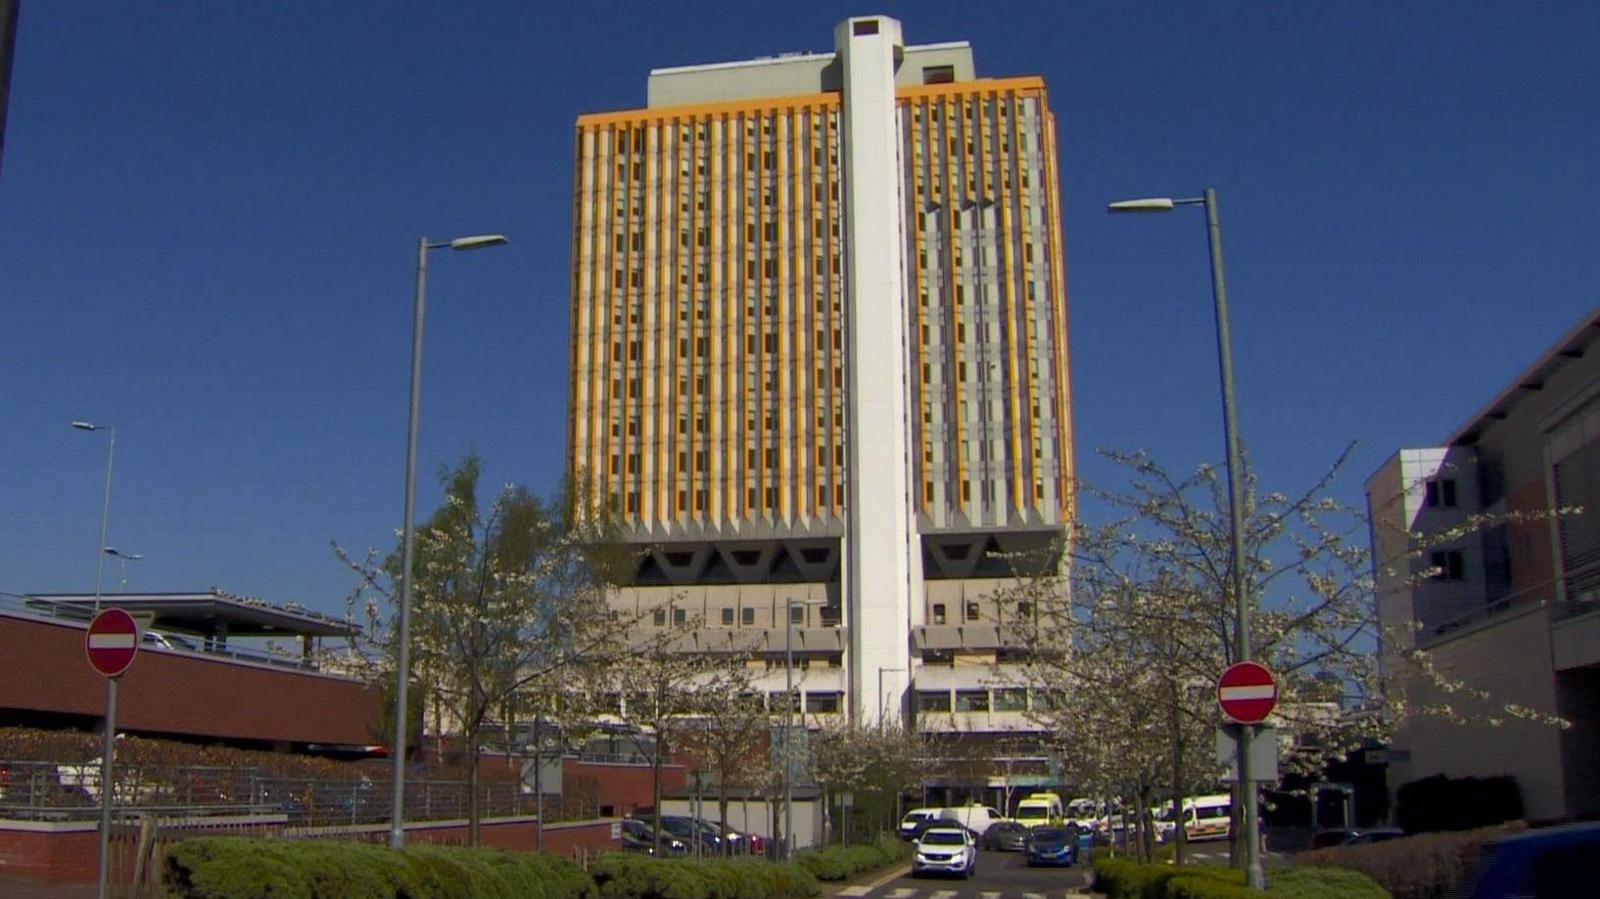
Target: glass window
[[747, 616], [797, 614], [938, 613], [933, 700], [679, 616], [972, 700], [727, 616], [659, 617], [1011, 699], [822, 702]]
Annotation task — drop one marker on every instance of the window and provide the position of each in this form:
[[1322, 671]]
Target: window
[[1442, 492], [933, 701], [1447, 565], [1025, 610], [972, 700], [938, 613], [865, 26], [820, 703], [797, 614], [679, 616], [775, 701], [972, 611], [938, 74], [747, 617], [659, 617], [1011, 699], [727, 617]]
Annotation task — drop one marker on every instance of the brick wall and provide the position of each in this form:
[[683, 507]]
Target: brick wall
[[43, 668]]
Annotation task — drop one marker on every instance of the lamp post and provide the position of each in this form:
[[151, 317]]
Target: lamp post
[[788, 720], [122, 565], [397, 831], [109, 740], [1254, 875]]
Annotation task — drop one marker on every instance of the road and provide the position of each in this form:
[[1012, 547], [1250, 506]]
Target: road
[[1001, 875]]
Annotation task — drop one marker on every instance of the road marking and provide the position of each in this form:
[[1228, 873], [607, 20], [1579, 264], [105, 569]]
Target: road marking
[[993, 895], [943, 894], [855, 891], [1032, 896], [901, 893]]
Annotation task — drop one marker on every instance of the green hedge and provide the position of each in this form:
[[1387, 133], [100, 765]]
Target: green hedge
[[243, 868], [1125, 879], [620, 875], [835, 863], [1425, 866]]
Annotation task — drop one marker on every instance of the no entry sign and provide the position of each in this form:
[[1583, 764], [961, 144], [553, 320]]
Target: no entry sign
[[111, 642], [1247, 692]]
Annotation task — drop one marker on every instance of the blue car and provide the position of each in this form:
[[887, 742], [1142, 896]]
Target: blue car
[[1051, 845], [1546, 863]]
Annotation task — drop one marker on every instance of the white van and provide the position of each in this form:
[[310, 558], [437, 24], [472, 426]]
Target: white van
[[1039, 808], [1204, 818], [975, 818]]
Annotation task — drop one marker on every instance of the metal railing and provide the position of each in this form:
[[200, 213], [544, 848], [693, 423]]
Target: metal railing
[[35, 790], [31, 607]]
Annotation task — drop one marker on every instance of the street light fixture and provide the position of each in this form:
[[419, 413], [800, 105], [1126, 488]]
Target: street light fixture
[[109, 742], [788, 720], [122, 565], [397, 832], [1230, 426]]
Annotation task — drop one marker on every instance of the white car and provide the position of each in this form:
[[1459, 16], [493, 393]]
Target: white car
[[945, 850], [914, 818]]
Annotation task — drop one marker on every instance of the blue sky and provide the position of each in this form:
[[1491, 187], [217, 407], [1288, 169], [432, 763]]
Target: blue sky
[[208, 218]]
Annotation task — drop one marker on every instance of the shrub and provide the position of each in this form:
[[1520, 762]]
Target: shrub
[[1322, 883], [1457, 803], [835, 863], [1425, 866], [243, 868], [623, 876]]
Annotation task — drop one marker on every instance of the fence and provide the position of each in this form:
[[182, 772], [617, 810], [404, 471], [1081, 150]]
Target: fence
[[45, 791]]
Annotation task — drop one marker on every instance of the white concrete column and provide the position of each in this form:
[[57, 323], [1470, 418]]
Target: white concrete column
[[883, 558]]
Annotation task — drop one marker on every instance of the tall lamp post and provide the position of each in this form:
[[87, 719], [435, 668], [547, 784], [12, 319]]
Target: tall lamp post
[[788, 720], [397, 830], [1230, 426], [109, 740]]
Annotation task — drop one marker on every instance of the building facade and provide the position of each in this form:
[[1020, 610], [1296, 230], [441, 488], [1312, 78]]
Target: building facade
[[818, 357], [1484, 561]]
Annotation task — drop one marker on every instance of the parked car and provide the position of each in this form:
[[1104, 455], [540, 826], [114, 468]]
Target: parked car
[[908, 824], [1353, 836], [945, 849], [639, 836], [975, 818], [1005, 836], [1051, 845], [1546, 863]]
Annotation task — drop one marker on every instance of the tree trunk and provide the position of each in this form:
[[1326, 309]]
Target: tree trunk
[[655, 789], [1180, 836], [722, 813], [474, 801]]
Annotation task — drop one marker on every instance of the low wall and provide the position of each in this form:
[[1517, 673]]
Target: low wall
[[67, 851]]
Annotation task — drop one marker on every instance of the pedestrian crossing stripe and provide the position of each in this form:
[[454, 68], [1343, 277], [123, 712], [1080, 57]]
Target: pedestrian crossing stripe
[[944, 894], [855, 891], [901, 893], [993, 895]]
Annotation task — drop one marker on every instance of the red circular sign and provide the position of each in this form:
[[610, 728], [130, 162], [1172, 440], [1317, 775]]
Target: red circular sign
[[1247, 692], [111, 642]]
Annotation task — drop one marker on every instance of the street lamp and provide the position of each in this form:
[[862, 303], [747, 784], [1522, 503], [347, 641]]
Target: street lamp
[[1230, 427], [788, 720], [397, 832], [122, 565], [109, 740]]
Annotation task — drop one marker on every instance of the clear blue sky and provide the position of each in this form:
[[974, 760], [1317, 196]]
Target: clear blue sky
[[208, 215]]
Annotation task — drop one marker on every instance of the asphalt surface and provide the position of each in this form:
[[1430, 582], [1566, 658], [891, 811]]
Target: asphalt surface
[[1001, 875]]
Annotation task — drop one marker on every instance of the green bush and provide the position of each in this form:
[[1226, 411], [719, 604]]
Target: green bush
[[620, 875], [834, 863], [1425, 866], [1322, 883], [1124, 879], [244, 868]]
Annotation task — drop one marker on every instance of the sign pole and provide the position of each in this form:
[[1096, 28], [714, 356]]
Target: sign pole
[[108, 750]]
